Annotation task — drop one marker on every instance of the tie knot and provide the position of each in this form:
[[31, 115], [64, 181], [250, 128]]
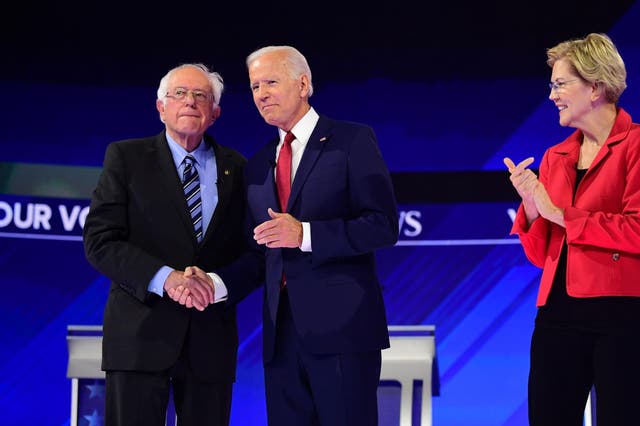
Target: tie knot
[[189, 160], [189, 169], [288, 138]]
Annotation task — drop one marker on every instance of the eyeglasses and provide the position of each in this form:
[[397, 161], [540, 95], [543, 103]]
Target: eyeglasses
[[558, 85], [180, 94]]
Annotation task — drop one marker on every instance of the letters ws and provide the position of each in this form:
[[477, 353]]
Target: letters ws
[[410, 225]]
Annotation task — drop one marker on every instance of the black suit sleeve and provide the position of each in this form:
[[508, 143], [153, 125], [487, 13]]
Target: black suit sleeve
[[107, 234]]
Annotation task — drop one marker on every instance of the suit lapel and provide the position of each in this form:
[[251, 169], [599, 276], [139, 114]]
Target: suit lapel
[[320, 135], [269, 164], [224, 183], [166, 175]]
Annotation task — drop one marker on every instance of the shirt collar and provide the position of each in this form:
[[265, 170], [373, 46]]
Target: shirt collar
[[303, 128], [179, 153]]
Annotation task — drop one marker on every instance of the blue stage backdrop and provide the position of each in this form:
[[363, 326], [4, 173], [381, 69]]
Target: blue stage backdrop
[[455, 266]]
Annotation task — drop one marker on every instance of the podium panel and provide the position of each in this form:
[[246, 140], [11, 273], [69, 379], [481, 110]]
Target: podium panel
[[410, 358], [84, 343]]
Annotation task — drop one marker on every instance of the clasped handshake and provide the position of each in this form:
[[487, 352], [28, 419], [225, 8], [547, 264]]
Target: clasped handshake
[[192, 288]]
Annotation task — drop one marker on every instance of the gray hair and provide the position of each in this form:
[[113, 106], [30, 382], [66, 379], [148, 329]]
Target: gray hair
[[215, 81], [295, 61]]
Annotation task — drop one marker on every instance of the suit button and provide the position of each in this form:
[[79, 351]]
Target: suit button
[[615, 256]]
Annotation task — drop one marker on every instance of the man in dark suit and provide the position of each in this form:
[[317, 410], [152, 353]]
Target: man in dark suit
[[324, 322], [141, 234]]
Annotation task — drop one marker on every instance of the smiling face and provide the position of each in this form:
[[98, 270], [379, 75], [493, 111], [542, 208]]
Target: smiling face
[[187, 119], [281, 99], [572, 95]]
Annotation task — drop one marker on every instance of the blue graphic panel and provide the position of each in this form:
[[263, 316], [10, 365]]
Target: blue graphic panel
[[455, 266], [471, 281]]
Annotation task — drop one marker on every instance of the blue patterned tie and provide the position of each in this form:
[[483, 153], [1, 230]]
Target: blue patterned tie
[[191, 186]]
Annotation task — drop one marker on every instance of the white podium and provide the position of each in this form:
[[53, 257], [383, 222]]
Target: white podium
[[411, 357], [84, 343]]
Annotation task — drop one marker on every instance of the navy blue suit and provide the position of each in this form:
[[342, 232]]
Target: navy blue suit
[[342, 187]]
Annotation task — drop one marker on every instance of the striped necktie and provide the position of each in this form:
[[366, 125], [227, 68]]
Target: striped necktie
[[191, 187]]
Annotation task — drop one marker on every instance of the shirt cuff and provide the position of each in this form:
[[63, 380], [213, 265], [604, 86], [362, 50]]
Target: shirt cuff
[[306, 237], [219, 288], [157, 282]]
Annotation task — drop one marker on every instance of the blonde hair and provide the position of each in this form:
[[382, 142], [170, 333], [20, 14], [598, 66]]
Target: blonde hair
[[596, 60]]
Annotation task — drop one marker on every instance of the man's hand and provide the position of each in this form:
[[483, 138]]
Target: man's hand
[[283, 230], [193, 272], [193, 288]]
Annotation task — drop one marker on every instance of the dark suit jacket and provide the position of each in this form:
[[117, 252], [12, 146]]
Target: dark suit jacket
[[343, 188], [138, 221]]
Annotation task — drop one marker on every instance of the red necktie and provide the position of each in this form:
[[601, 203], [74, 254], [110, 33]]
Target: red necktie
[[283, 179], [283, 172]]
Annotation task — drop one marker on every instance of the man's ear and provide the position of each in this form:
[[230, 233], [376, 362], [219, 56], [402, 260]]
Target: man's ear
[[216, 113], [160, 108], [304, 85]]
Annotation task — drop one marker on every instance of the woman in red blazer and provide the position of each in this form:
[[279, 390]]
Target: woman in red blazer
[[580, 222]]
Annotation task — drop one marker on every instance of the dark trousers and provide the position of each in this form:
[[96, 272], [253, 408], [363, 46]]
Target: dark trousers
[[141, 398], [303, 388], [566, 363]]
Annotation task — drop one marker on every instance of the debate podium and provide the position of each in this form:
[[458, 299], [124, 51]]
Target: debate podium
[[84, 343], [410, 358]]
